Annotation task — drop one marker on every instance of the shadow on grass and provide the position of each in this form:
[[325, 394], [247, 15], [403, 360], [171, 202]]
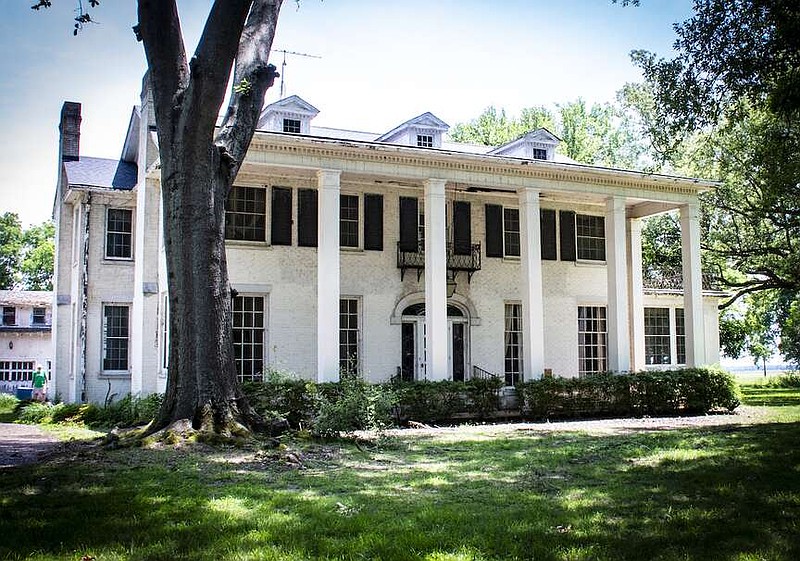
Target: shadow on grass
[[687, 494], [773, 397]]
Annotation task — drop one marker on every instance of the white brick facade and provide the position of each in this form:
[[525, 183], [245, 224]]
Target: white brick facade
[[287, 275]]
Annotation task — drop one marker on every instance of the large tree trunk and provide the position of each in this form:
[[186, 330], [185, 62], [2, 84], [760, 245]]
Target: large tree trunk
[[197, 171]]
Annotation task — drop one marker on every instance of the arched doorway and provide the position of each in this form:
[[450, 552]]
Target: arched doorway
[[414, 356]]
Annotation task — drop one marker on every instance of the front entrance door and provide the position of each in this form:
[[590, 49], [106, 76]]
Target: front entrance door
[[414, 356]]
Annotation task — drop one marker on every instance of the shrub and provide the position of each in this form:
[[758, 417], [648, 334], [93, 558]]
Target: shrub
[[353, 404], [690, 390], [297, 401], [787, 380], [429, 402], [33, 412]]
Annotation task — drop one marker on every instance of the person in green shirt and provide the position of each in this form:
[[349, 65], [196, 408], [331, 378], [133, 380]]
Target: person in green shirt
[[39, 383]]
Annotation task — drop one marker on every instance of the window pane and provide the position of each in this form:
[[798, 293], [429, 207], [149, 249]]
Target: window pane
[[115, 337], [680, 337], [119, 233], [656, 336], [592, 340], [348, 220], [513, 343], [248, 336], [348, 336], [245, 214], [590, 237], [511, 231]]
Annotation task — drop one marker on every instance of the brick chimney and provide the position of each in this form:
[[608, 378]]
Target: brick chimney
[[70, 129]]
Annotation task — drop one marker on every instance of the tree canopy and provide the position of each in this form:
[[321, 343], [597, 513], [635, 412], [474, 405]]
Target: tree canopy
[[26, 255]]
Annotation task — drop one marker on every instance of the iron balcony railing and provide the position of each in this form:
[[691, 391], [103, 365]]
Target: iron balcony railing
[[463, 261]]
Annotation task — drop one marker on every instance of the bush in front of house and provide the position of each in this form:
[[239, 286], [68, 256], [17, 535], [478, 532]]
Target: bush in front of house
[[437, 402], [663, 392], [787, 380], [126, 412]]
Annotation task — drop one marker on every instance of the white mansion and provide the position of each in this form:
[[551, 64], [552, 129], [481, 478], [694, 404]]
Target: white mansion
[[394, 255]]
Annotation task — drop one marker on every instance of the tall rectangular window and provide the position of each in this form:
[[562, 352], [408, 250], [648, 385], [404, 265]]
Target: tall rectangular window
[[119, 233], [592, 340], [165, 334], [590, 232], [291, 125], [116, 334], [9, 315], [39, 316], [680, 337], [656, 336], [248, 337], [513, 343], [348, 220], [348, 336], [511, 232], [245, 214]]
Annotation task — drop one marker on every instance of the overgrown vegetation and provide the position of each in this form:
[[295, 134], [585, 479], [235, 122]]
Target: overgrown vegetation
[[127, 412]]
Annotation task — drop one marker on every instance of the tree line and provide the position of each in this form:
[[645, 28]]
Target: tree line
[[26, 254]]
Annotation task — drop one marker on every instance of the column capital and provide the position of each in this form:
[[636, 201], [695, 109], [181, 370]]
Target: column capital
[[325, 176], [435, 186]]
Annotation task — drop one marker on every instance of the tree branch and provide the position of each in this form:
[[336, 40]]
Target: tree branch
[[159, 29], [251, 78]]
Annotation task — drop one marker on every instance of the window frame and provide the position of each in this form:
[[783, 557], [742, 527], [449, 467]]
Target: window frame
[[595, 339], [42, 315], [344, 369], [289, 123], [658, 341], [9, 312], [424, 140], [109, 232], [513, 339], [509, 232], [253, 359], [358, 221], [680, 336], [264, 215], [17, 370], [539, 153], [105, 339], [581, 239]]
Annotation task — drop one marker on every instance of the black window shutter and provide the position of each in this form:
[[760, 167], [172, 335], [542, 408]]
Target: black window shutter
[[567, 237], [462, 228], [373, 222], [281, 229], [547, 219], [409, 217], [307, 218], [494, 231]]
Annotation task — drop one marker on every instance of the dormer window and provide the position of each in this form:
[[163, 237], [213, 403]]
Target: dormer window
[[425, 140], [539, 154], [291, 125]]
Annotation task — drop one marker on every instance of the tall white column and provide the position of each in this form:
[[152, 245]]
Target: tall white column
[[636, 295], [328, 276], [619, 353], [435, 281], [692, 285], [532, 298]]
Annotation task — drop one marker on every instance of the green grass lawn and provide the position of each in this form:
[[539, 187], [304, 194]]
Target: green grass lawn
[[728, 493]]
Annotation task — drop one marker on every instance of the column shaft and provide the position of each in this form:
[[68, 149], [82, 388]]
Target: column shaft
[[435, 281], [619, 354], [531, 283], [692, 285], [328, 276]]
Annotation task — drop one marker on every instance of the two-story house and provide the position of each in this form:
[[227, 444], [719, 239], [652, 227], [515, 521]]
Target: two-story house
[[25, 340], [385, 254]]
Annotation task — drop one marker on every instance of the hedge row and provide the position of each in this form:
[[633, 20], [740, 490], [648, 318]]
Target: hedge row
[[690, 390]]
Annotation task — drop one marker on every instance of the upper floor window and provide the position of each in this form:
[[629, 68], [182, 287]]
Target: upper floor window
[[291, 125], [39, 316], [511, 232], [590, 237], [348, 221], [9, 315], [119, 233], [245, 214], [539, 154], [425, 140]]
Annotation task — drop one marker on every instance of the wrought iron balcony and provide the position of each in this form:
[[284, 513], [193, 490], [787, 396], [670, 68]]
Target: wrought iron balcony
[[468, 262]]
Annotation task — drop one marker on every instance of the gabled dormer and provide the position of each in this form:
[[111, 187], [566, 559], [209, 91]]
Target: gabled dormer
[[424, 131], [539, 144], [291, 114]]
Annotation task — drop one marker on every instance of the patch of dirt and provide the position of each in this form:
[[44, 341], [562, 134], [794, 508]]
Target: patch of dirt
[[24, 444]]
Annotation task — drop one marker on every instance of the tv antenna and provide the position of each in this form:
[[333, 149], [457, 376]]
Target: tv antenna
[[283, 65]]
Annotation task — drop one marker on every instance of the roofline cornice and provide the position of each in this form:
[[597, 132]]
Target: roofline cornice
[[269, 148]]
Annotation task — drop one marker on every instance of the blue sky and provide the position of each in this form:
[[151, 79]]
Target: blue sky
[[383, 62]]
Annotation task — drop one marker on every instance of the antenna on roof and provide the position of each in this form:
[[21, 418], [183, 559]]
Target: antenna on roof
[[283, 65]]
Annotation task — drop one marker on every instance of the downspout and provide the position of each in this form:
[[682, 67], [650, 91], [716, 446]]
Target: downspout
[[84, 295]]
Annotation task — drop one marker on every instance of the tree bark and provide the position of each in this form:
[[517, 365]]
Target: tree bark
[[197, 172]]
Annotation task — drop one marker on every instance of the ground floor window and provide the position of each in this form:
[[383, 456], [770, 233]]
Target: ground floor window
[[16, 370], [680, 337], [248, 337], [513, 343], [657, 336], [592, 340], [348, 336], [116, 333]]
